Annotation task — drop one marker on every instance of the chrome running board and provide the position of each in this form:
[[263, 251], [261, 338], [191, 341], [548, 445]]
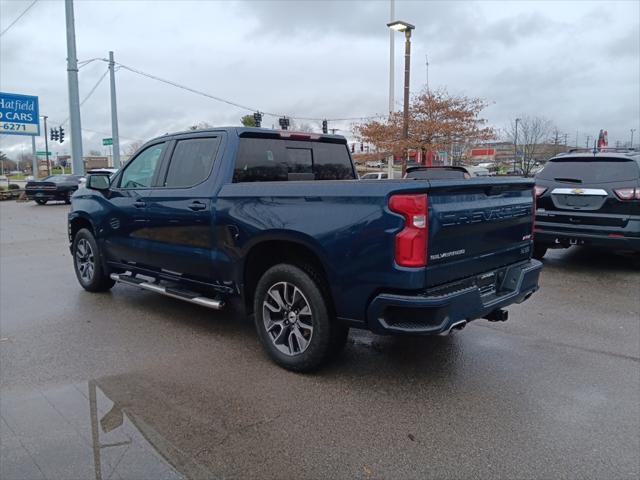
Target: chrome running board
[[185, 295]]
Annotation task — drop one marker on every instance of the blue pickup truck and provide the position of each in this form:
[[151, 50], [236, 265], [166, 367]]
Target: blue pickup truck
[[278, 222]]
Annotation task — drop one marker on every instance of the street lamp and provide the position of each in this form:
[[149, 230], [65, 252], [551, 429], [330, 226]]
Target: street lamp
[[515, 147], [400, 26]]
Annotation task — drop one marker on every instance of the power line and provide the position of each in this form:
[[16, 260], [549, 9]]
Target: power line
[[19, 17], [238, 105], [93, 89]]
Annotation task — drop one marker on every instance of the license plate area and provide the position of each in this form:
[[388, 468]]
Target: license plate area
[[486, 282]]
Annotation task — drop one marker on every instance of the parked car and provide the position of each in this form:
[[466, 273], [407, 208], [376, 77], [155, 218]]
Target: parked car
[[54, 187], [380, 175], [589, 198], [478, 171], [280, 222]]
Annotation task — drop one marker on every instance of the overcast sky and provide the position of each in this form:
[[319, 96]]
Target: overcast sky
[[576, 63]]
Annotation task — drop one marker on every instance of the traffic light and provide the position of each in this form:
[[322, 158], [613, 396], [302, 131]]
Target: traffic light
[[325, 127], [361, 147], [61, 134], [284, 123], [257, 117], [54, 134]]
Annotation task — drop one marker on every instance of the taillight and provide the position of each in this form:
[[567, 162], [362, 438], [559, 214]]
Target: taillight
[[628, 193], [533, 210], [539, 191], [411, 242]]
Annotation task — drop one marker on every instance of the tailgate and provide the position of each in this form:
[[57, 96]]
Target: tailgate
[[477, 226]]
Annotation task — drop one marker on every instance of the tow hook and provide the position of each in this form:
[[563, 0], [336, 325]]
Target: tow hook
[[499, 315]]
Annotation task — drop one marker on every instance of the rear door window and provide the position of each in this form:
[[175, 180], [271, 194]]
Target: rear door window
[[266, 159], [590, 171], [191, 162]]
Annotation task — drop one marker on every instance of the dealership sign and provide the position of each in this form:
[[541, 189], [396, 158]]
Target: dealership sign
[[19, 114]]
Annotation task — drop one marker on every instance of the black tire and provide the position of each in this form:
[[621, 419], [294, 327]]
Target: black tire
[[40, 201], [87, 258], [325, 338], [539, 251], [67, 198]]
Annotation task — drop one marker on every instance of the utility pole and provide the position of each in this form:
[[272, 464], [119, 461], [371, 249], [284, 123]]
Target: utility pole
[[74, 96], [34, 158], [46, 144], [392, 15], [632, 130], [588, 140], [515, 147], [114, 114]]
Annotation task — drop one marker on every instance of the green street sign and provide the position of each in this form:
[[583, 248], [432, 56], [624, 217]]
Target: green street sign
[[42, 153], [107, 141]]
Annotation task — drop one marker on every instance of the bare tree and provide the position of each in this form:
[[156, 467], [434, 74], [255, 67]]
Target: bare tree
[[532, 132], [304, 127], [94, 152], [133, 147], [200, 126]]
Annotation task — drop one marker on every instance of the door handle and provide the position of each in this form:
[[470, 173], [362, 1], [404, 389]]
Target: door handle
[[139, 204], [195, 206]]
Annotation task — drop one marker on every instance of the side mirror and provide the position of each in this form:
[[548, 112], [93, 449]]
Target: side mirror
[[98, 181]]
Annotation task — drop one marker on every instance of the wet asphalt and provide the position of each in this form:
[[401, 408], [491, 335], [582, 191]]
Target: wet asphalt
[[129, 384]]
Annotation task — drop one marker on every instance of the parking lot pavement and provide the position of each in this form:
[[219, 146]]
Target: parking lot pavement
[[128, 384]]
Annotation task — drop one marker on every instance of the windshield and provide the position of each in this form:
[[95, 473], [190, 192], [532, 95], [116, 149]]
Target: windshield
[[588, 170]]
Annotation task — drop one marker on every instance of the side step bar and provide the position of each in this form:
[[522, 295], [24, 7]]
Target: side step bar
[[187, 296]]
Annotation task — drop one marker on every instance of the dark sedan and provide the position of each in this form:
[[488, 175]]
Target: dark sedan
[[55, 187]]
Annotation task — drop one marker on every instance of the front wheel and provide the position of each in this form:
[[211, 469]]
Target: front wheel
[[87, 261], [293, 320], [67, 198], [40, 201]]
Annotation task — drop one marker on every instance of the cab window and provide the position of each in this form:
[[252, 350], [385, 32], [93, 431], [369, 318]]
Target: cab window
[[140, 171]]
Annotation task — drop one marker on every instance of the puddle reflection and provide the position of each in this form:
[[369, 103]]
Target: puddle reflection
[[78, 431]]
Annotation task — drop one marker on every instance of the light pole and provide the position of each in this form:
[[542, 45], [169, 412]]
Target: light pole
[[400, 26], [632, 130], [46, 144], [392, 37], [515, 147]]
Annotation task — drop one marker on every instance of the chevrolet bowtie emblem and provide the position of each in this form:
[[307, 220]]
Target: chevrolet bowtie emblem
[[577, 191]]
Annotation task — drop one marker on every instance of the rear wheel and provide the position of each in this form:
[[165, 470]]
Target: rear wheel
[[87, 261], [40, 201], [539, 250], [293, 319]]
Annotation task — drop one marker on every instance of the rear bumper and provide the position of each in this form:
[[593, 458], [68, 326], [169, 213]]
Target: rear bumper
[[560, 238], [431, 314]]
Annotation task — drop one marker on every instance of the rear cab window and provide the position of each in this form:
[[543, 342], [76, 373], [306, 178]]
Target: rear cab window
[[590, 170], [191, 162], [271, 159]]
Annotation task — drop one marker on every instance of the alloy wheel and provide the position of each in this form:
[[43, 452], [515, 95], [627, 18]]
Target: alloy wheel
[[288, 318], [85, 260]]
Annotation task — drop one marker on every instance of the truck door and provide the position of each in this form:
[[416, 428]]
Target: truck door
[[180, 213], [125, 230]]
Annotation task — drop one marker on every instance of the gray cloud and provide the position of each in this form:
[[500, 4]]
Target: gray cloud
[[576, 63]]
